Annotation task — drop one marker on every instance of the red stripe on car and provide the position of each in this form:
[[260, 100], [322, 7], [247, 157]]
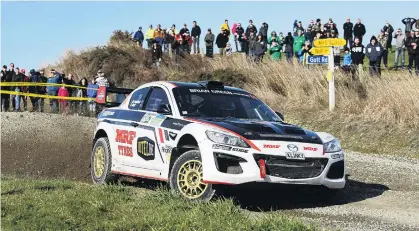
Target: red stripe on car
[[161, 135]]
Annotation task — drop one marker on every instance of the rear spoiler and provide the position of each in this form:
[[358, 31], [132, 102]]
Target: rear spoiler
[[112, 96]]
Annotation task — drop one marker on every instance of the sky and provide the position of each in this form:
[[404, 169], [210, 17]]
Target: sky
[[34, 34]]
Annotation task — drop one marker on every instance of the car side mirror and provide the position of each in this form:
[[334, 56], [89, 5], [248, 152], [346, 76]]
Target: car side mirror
[[164, 109], [280, 115]]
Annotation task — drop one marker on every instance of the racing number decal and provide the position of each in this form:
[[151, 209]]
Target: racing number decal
[[125, 137], [145, 148]]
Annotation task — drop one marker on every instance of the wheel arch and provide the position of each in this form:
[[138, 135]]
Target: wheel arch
[[186, 142], [99, 134]]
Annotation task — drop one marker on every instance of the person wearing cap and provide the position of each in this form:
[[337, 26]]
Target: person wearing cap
[[34, 78], [251, 27], [359, 30], [264, 31], [55, 78], [42, 89], [412, 45], [347, 31], [383, 40], [158, 35], [195, 35], [374, 52], [149, 36], [222, 41], [238, 32], [184, 31], [139, 37], [209, 43], [226, 28], [409, 22], [400, 47]]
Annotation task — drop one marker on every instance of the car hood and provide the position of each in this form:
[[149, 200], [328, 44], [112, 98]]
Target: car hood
[[263, 130]]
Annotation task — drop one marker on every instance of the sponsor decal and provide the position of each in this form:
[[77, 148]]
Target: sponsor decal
[[248, 133], [146, 118], [310, 149], [166, 149], [145, 148], [221, 147], [271, 146], [274, 135], [157, 120], [107, 113], [134, 103], [292, 147], [336, 156], [172, 135], [125, 137], [240, 150]]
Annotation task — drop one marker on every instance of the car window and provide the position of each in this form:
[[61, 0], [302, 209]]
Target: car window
[[137, 100], [158, 96]]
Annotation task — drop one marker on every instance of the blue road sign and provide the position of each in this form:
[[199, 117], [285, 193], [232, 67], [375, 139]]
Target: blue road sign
[[317, 59]]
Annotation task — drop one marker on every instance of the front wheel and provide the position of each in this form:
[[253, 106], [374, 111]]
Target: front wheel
[[101, 162], [187, 175]]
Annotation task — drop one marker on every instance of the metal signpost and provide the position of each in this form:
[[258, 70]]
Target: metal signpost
[[325, 47]]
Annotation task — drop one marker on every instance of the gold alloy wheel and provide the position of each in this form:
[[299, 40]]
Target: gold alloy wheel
[[99, 165], [189, 179]]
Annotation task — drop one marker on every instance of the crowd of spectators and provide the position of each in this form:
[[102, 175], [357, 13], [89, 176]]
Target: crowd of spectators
[[254, 43], [257, 43]]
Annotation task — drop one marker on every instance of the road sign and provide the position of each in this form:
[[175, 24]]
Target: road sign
[[320, 50], [317, 59], [330, 42]]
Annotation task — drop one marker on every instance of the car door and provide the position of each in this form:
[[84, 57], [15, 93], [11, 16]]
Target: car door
[[149, 135]]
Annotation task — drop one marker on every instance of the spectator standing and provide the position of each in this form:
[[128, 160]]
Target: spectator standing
[[101, 80], [252, 40], [156, 54], [187, 43], [34, 78], [275, 51], [302, 54], [374, 51], [359, 30], [347, 62], [417, 25], [281, 41], [273, 38], [308, 35], [82, 93], [238, 36], [68, 80], [226, 27], [400, 47], [196, 34], [229, 50], [347, 31], [260, 48], [250, 28], [317, 26], [209, 43], [173, 29], [330, 25], [298, 42], [221, 42], [18, 78], [42, 89], [298, 28], [5, 98], [55, 78], [409, 22], [25, 89], [149, 36], [159, 35], [357, 54], [184, 31], [412, 43], [139, 37], [170, 37], [244, 44], [383, 40], [264, 31], [289, 46], [91, 94], [63, 92]]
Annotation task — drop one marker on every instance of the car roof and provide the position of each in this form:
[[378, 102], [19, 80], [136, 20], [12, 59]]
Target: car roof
[[197, 85]]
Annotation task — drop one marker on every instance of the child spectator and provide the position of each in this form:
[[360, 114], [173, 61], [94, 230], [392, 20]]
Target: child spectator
[[63, 92], [229, 51], [347, 61]]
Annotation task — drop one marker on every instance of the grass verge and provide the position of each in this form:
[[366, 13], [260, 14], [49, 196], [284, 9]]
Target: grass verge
[[64, 205]]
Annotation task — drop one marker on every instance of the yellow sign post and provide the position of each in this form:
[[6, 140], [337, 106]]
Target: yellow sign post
[[330, 42], [320, 50]]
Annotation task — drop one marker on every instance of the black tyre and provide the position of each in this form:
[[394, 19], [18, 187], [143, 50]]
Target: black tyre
[[186, 177], [101, 162]]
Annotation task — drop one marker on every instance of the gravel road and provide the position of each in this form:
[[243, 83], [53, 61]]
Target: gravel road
[[382, 191]]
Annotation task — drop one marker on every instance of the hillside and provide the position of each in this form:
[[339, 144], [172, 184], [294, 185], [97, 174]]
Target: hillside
[[372, 115]]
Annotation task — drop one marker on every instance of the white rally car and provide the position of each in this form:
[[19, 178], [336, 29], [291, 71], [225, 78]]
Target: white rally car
[[197, 135]]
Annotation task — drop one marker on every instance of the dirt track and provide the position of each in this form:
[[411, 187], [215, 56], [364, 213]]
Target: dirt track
[[382, 192]]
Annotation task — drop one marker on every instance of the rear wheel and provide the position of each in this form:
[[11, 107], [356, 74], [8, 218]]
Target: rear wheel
[[101, 162], [187, 175]]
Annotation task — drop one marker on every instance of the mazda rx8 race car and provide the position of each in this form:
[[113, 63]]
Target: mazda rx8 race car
[[198, 135]]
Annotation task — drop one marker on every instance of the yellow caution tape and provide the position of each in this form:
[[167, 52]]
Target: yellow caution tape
[[43, 96], [35, 84]]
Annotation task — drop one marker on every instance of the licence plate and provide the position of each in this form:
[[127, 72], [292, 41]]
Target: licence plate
[[295, 155]]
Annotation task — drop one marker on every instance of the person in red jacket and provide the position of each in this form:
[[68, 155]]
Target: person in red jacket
[[63, 92]]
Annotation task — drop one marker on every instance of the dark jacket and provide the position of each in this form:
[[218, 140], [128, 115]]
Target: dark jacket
[[70, 82], [359, 30], [34, 79], [289, 43], [239, 31], [374, 52], [408, 43], [260, 48], [156, 53], [209, 40], [6, 77], [183, 31], [42, 89], [347, 29], [252, 42], [249, 28], [357, 54], [139, 36], [409, 23], [196, 31], [222, 40], [264, 30]]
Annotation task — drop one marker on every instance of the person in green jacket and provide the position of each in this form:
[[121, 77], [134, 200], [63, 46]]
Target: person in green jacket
[[275, 51], [299, 42], [272, 38]]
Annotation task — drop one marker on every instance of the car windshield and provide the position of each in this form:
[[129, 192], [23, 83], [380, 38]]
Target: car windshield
[[221, 104]]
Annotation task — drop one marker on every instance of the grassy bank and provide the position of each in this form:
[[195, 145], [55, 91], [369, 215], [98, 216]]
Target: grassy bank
[[65, 205], [376, 115]]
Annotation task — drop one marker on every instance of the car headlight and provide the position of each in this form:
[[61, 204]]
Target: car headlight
[[332, 146], [222, 138]]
